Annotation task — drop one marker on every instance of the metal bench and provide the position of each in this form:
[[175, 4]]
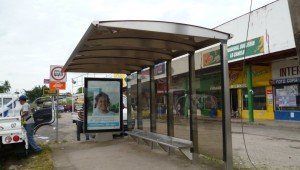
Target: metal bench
[[165, 142]]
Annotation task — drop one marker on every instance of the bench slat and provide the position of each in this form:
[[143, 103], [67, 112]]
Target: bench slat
[[162, 139]]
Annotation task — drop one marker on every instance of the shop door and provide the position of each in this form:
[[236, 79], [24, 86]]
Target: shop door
[[234, 102]]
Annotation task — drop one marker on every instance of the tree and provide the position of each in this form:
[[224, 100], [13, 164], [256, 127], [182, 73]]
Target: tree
[[80, 90], [5, 87], [34, 93]]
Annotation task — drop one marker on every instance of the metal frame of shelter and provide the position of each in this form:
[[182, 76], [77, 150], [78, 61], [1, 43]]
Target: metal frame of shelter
[[132, 45]]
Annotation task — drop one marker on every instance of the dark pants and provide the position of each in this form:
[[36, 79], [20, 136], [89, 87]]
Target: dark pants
[[80, 130], [32, 144]]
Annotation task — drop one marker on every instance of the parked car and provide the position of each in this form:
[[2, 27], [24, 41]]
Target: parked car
[[60, 108], [68, 108], [42, 112], [78, 107]]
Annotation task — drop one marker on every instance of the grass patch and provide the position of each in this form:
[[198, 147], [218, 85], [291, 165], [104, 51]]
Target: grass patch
[[40, 161]]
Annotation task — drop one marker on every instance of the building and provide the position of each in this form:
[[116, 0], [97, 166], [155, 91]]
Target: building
[[264, 72]]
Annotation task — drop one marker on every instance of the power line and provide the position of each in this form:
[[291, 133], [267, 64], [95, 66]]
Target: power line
[[244, 63]]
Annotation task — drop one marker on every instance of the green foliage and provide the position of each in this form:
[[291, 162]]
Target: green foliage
[[80, 90], [68, 101], [34, 93], [114, 107], [5, 87]]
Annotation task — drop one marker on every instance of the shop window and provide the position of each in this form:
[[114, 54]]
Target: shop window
[[259, 98], [287, 97], [210, 100]]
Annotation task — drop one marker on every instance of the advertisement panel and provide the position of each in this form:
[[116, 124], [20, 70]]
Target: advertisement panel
[[287, 96], [53, 85], [47, 91], [252, 48], [103, 105]]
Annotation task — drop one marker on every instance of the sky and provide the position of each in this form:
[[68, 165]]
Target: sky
[[35, 34]]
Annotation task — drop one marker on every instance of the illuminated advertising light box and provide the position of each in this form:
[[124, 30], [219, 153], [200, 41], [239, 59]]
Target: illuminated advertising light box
[[103, 105]]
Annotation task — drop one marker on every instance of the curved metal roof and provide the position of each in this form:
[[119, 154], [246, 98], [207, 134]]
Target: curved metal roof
[[129, 46]]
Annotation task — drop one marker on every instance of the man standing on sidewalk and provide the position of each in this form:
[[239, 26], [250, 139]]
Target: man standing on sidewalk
[[79, 124], [28, 121]]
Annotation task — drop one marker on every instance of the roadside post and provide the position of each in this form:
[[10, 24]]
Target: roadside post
[[52, 93], [58, 80]]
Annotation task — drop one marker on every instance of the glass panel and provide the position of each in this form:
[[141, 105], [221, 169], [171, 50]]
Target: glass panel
[[179, 89], [209, 95], [161, 106], [259, 98], [145, 100], [133, 98]]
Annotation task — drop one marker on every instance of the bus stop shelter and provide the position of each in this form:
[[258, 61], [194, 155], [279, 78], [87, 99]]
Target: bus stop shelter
[[133, 45]]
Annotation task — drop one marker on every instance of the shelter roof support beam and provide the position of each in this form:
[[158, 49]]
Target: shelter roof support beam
[[170, 117], [125, 61], [152, 101], [120, 53], [193, 107], [140, 43], [226, 114]]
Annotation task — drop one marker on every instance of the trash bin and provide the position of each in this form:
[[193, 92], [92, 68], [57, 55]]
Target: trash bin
[[213, 112]]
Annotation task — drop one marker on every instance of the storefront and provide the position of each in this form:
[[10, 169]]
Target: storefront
[[209, 94], [262, 93], [286, 80]]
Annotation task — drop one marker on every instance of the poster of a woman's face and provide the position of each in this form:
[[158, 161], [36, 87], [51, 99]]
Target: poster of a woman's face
[[103, 99], [102, 104]]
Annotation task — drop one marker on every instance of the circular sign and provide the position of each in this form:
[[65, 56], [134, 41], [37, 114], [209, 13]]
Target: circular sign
[[57, 74]]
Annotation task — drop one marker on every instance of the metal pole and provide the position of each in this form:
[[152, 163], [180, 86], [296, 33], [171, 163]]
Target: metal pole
[[193, 107], [56, 116], [139, 101], [129, 119], [294, 6], [152, 101], [226, 116], [2, 106], [250, 93], [170, 117], [72, 99]]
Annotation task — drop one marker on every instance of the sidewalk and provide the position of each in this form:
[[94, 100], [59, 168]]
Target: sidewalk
[[119, 154], [270, 123]]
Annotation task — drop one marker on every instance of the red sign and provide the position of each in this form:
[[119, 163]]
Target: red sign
[[57, 85]]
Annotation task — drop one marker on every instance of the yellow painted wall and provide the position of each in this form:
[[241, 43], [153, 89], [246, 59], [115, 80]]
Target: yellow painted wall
[[261, 77]]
